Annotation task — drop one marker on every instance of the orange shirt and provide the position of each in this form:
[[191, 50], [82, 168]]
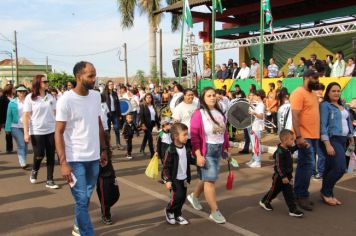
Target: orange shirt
[[307, 103]]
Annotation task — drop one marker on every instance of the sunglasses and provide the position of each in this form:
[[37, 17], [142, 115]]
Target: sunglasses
[[45, 81]]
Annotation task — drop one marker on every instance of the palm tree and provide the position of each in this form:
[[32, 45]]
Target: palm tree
[[127, 12]]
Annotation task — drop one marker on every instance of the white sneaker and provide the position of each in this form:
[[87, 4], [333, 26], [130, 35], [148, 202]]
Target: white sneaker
[[249, 163], [169, 217], [255, 165], [128, 157], [194, 202], [217, 217], [181, 220]]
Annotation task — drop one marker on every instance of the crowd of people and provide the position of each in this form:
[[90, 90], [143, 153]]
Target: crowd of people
[[76, 124], [327, 67]]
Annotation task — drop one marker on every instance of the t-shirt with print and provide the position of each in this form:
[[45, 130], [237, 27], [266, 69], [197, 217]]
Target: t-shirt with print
[[214, 132], [104, 115], [42, 110], [259, 124], [183, 113], [81, 135], [309, 119]]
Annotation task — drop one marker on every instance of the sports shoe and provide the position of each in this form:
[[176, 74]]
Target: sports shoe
[[106, 220], [75, 231], [169, 217], [255, 164], [249, 162], [266, 205], [296, 213], [304, 203], [51, 184], [181, 220], [33, 177], [194, 202], [318, 177], [217, 217], [119, 147], [128, 157]]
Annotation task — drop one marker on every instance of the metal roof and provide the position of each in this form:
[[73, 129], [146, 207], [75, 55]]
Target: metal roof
[[179, 5]]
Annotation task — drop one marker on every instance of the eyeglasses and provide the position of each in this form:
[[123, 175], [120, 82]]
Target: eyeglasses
[[45, 81]]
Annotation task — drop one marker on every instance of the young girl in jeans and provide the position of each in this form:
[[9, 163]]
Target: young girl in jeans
[[209, 139], [257, 127]]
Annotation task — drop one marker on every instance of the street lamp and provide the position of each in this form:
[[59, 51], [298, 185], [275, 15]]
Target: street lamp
[[12, 63]]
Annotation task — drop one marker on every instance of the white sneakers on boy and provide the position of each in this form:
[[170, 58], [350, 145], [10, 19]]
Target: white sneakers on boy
[[169, 217]]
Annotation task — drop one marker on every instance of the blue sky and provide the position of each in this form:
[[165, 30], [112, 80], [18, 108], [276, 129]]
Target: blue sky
[[79, 27]]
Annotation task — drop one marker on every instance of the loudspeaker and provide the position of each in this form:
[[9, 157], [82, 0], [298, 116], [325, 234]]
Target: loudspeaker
[[175, 64], [354, 45]]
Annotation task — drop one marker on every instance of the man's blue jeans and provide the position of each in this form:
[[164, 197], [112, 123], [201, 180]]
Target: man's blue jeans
[[320, 165], [303, 171], [87, 175]]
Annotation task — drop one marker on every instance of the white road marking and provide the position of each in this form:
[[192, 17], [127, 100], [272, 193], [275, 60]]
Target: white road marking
[[346, 189], [227, 225]]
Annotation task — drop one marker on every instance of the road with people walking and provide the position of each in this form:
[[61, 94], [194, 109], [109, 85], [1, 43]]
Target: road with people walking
[[33, 209]]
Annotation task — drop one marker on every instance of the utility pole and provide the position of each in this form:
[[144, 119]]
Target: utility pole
[[125, 60], [160, 58], [46, 65], [16, 58]]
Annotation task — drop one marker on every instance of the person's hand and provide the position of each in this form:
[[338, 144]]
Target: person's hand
[[330, 150], [103, 158], [169, 185], [26, 138], [143, 127], [354, 123], [66, 172], [200, 161], [306, 144], [351, 141], [285, 180], [301, 142]]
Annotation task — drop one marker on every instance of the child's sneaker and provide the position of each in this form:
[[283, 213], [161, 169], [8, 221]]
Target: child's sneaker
[[128, 157], [51, 184], [75, 231], [217, 217], [33, 177], [106, 220], [296, 213], [194, 202], [169, 217], [255, 165], [181, 220], [266, 205]]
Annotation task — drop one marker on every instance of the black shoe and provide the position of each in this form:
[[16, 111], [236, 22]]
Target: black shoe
[[266, 205], [244, 152], [106, 220], [296, 213], [304, 203]]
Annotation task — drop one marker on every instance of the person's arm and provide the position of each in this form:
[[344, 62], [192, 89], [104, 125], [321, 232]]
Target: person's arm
[[26, 126], [167, 169], [103, 148], [195, 130], [60, 148]]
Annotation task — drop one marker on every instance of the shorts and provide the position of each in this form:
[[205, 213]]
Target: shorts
[[210, 171]]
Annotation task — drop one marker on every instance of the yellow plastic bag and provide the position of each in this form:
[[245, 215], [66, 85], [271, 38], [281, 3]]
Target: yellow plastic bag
[[152, 168]]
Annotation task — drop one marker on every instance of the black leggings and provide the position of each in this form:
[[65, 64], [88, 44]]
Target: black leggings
[[148, 137], [43, 145]]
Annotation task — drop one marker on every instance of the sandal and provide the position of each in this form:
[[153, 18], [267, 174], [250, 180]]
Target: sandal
[[328, 200]]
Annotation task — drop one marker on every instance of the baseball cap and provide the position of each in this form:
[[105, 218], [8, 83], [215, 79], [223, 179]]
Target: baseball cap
[[21, 88], [311, 73], [166, 120]]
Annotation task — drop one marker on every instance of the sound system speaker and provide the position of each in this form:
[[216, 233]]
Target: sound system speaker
[[175, 64], [354, 45]]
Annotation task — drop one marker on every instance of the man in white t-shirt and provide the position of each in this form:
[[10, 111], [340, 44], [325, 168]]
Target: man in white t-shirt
[[80, 142]]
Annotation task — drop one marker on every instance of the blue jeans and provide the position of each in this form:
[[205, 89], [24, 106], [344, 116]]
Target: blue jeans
[[320, 162], [114, 119], [210, 171], [303, 171], [87, 175], [17, 134], [334, 166], [256, 156]]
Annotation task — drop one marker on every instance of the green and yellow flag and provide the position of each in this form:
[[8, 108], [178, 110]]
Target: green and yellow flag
[[187, 14], [268, 14]]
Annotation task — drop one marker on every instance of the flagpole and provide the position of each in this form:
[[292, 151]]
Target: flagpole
[[181, 46], [261, 42], [213, 15]]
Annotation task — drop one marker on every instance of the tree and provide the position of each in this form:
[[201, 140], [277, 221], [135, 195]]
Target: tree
[[59, 79], [127, 12], [140, 78]]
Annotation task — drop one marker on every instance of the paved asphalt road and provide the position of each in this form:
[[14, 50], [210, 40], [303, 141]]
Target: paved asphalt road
[[32, 209]]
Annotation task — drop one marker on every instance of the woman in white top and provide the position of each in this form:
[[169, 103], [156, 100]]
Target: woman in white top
[[135, 103], [148, 119], [184, 110], [39, 125], [14, 123], [257, 127]]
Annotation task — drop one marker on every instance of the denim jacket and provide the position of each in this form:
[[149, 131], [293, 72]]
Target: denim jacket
[[330, 121]]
